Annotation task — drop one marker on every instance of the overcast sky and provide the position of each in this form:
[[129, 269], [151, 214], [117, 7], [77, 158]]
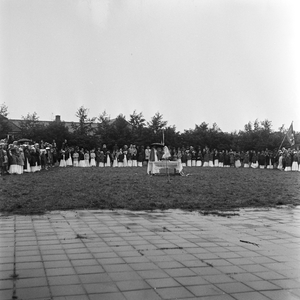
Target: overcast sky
[[194, 61]]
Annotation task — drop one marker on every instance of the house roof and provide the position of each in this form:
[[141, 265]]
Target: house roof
[[16, 124]]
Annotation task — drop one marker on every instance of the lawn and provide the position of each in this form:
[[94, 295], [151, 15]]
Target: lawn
[[204, 189]]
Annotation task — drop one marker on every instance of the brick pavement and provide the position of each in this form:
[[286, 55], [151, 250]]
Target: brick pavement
[[159, 255]]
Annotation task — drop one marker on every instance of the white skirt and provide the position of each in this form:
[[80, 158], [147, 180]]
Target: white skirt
[[101, 164], [120, 164], [261, 166], [184, 164], [129, 163], [199, 163], [189, 163], [140, 163], [210, 163], [254, 165], [206, 164], [93, 162], [216, 162], [82, 164], [108, 164], [221, 165], [75, 163], [238, 163], [288, 169], [62, 163], [193, 163], [87, 163], [21, 169], [13, 169], [69, 161], [246, 165], [134, 163], [125, 161], [28, 169], [295, 166], [115, 163], [34, 168]]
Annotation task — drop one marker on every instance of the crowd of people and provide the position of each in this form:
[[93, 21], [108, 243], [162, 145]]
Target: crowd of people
[[18, 158]]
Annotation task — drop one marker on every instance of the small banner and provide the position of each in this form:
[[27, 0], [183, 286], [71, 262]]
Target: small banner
[[290, 135]]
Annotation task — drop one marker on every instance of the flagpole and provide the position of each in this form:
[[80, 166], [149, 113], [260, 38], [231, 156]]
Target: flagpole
[[286, 135], [282, 142]]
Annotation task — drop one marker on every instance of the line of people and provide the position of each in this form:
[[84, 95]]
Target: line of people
[[18, 159]]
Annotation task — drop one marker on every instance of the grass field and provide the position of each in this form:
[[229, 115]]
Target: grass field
[[204, 189]]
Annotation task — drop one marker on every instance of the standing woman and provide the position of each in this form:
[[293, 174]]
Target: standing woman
[[120, 158], [129, 156], [211, 158], [194, 158], [33, 160], [237, 159], [183, 158], [246, 160], [254, 162], [75, 158], [101, 159], [62, 162], [26, 159], [68, 154], [140, 156], [261, 159], [134, 156], [81, 158], [12, 160], [221, 158], [216, 157], [188, 158], [87, 158], [226, 159], [206, 157], [288, 161], [199, 158], [294, 161], [125, 153], [115, 155], [108, 159], [93, 158], [231, 158], [280, 158]]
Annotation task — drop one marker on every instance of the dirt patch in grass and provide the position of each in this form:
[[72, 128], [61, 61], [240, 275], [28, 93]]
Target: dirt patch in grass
[[205, 189]]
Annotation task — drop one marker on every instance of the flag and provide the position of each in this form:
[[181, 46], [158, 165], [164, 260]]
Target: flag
[[290, 135]]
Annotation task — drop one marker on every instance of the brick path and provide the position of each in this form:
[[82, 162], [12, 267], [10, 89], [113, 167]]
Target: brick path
[[160, 255]]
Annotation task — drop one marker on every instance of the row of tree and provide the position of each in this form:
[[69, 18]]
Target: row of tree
[[93, 132]]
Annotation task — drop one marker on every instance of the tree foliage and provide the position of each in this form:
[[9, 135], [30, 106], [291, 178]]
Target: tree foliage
[[4, 123], [93, 132]]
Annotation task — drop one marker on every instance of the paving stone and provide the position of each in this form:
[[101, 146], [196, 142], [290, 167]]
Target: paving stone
[[132, 285], [162, 282], [33, 293], [108, 296], [234, 287], [31, 282], [250, 296], [121, 276], [67, 290], [174, 292], [191, 280], [96, 288], [205, 290], [64, 280], [142, 294]]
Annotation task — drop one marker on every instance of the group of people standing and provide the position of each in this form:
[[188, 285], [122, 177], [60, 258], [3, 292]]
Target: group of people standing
[[25, 158]]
